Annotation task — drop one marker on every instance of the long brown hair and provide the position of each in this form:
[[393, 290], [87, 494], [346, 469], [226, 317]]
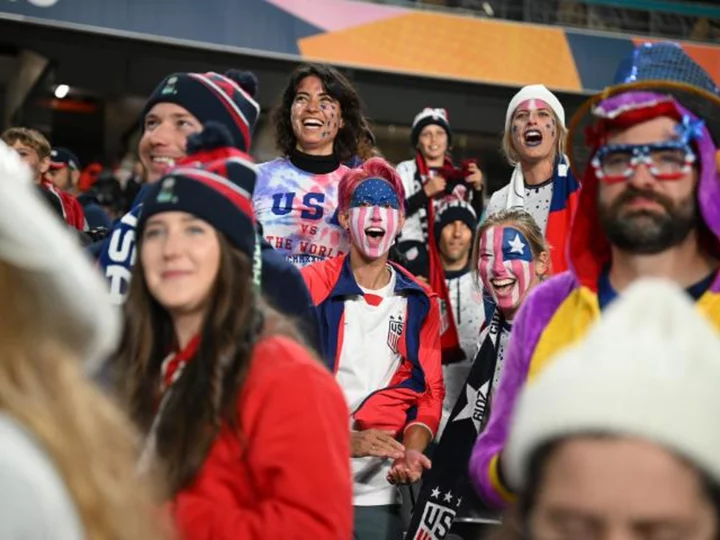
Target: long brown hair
[[339, 88], [87, 437], [205, 395]]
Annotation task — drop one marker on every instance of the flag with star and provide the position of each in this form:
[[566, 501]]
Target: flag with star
[[446, 491]]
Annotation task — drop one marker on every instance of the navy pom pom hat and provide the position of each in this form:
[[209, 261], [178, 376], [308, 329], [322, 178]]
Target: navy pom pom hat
[[215, 183], [228, 99], [455, 210], [427, 117]]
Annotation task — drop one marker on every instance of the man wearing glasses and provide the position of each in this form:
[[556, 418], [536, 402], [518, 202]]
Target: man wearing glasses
[[649, 207]]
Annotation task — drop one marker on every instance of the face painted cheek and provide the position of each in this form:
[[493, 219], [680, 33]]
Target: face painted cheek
[[487, 263], [551, 128], [391, 223], [330, 125], [366, 216], [522, 273], [518, 128], [358, 217], [484, 268]]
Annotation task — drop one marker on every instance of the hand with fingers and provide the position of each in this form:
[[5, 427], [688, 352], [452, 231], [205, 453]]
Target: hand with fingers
[[409, 468], [475, 177], [377, 443], [435, 185]]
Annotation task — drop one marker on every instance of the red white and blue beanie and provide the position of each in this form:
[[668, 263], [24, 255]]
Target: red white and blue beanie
[[214, 182], [228, 99], [429, 116]]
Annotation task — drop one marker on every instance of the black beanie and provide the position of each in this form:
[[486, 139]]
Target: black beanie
[[227, 99], [429, 116], [455, 210], [214, 182]]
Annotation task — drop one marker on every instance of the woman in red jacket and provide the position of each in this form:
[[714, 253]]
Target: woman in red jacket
[[249, 431]]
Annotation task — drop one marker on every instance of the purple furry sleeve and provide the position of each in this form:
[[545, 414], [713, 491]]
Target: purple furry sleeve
[[529, 324]]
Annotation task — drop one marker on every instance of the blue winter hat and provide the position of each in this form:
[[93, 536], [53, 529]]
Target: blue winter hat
[[455, 210], [228, 99]]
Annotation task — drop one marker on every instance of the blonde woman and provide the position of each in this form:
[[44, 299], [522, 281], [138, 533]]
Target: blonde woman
[[509, 258], [542, 182], [66, 453]]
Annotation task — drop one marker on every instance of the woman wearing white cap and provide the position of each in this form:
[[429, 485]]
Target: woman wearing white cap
[[618, 437], [542, 183], [67, 463]]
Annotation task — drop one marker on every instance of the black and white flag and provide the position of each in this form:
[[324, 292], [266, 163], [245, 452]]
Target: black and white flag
[[446, 488]]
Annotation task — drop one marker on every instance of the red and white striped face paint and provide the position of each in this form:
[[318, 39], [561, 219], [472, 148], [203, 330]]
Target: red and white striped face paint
[[373, 229], [506, 266]]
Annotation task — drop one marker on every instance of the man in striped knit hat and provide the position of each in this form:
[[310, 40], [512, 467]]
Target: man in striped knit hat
[[454, 232]]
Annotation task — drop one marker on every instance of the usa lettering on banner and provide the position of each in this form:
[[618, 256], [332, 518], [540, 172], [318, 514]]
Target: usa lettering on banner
[[446, 486], [435, 523]]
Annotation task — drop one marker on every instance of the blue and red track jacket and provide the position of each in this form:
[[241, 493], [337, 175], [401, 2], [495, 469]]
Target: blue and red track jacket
[[416, 391]]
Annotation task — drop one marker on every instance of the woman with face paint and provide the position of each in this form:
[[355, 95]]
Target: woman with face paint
[[318, 125], [380, 336], [510, 257], [542, 182]]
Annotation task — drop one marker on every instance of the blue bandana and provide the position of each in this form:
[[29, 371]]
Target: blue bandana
[[374, 192]]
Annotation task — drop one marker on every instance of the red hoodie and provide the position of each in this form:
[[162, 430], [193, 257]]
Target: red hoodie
[[290, 477], [72, 210]]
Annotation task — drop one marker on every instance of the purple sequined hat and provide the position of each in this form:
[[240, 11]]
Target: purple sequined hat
[[654, 71]]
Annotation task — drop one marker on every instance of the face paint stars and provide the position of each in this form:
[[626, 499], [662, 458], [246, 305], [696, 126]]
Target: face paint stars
[[517, 245], [505, 265], [374, 217], [375, 192]]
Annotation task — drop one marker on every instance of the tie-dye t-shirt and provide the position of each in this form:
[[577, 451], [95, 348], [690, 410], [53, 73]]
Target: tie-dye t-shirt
[[298, 211]]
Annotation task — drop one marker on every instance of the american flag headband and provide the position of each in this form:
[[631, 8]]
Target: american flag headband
[[687, 131]]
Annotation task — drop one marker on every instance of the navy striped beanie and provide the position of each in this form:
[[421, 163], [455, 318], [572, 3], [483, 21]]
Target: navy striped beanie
[[227, 99]]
